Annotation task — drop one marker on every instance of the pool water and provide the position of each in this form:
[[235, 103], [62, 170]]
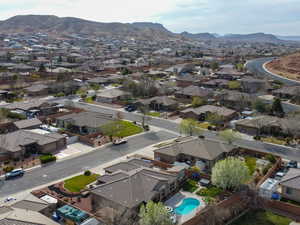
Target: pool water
[[187, 206]]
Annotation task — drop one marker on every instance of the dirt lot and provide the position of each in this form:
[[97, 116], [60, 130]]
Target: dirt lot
[[288, 66]]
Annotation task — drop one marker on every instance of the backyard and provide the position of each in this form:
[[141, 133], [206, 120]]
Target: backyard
[[78, 183], [260, 217]]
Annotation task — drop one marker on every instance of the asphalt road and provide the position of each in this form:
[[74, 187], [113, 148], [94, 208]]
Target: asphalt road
[[62, 169], [256, 66]]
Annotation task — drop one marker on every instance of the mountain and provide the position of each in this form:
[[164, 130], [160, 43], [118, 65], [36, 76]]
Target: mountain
[[256, 37], [69, 25], [289, 38], [199, 36]]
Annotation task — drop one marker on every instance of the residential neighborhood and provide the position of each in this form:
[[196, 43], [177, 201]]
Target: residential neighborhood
[[138, 130]]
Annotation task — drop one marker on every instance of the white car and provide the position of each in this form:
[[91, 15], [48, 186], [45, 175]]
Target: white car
[[9, 199], [119, 142]]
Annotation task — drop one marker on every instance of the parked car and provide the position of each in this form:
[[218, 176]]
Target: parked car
[[119, 142], [292, 164], [130, 108], [14, 173], [9, 199]]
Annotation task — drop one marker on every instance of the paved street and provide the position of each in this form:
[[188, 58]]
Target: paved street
[[285, 152], [72, 166]]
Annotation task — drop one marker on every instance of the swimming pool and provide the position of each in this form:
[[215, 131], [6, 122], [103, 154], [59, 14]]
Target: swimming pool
[[187, 206]]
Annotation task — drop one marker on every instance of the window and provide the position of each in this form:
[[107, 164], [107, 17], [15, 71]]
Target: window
[[289, 191]]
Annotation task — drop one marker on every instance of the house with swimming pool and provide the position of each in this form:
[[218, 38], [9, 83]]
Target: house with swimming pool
[[193, 150]]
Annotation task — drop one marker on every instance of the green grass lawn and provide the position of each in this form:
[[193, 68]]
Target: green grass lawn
[[128, 128], [190, 186], [76, 184], [274, 140], [154, 114], [261, 217], [251, 164], [210, 192]]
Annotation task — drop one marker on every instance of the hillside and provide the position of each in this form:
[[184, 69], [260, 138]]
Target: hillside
[[199, 36], [68, 25], [288, 66], [257, 37]]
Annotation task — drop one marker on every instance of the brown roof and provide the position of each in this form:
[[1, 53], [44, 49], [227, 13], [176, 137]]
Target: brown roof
[[195, 91], [23, 124], [291, 179], [222, 111], [137, 187], [196, 147]]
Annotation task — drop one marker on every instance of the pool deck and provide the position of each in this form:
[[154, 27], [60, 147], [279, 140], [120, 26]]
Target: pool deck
[[176, 200]]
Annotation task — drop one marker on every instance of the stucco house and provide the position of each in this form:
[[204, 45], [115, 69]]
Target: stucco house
[[290, 185]]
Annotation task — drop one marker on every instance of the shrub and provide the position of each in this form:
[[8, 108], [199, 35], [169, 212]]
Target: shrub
[[271, 158], [47, 158], [210, 192], [87, 173], [8, 169], [16, 116], [190, 186]]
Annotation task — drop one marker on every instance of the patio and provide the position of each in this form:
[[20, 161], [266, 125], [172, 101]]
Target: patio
[[177, 199]]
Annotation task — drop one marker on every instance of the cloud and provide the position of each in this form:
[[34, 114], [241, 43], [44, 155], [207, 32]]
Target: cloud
[[222, 16]]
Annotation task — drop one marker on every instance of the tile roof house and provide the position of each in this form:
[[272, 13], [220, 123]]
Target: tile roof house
[[290, 185], [287, 92], [84, 122], [159, 103], [128, 190], [16, 144], [228, 72], [194, 91], [236, 100], [193, 149], [112, 95], [28, 124], [202, 112]]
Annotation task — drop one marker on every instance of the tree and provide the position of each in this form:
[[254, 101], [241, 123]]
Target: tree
[[190, 127], [112, 129], [277, 108], [214, 119], [229, 136], [214, 66], [144, 117], [260, 106], [154, 214], [230, 173], [198, 101], [234, 84]]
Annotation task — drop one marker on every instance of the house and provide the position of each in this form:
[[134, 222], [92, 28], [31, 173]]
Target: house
[[216, 83], [287, 92], [290, 185], [228, 72], [268, 125], [34, 107], [28, 124], [84, 122], [202, 112], [194, 91], [112, 95], [193, 149], [19, 216], [37, 90], [252, 85], [129, 165], [125, 191], [159, 103], [187, 80], [236, 100], [19, 143], [181, 69]]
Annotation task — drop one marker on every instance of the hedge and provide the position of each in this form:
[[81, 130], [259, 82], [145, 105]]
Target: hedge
[[47, 158]]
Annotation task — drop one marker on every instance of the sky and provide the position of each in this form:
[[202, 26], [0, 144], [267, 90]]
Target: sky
[[281, 17]]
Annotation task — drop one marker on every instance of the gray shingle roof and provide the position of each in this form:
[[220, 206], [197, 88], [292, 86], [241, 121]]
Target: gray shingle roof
[[222, 111], [291, 179], [23, 124]]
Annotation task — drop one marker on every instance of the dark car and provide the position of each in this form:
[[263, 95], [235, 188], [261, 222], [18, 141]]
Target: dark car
[[130, 108], [292, 164], [14, 173]]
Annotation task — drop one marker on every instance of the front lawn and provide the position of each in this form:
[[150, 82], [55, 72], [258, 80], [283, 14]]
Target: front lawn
[[76, 184], [190, 186], [260, 217], [154, 114], [128, 128], [274, 140]]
